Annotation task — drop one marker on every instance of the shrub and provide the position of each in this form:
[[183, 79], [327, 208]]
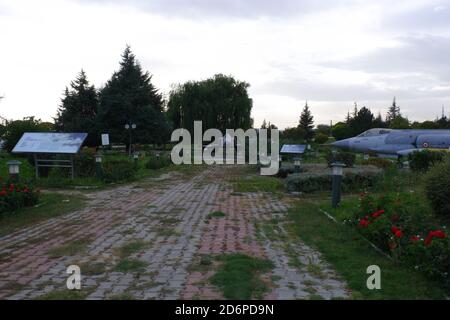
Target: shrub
[[85, 163], [321, 138], [15, 196], [379, 163], [423, 160], [437, 186], [401, 225], [116, 170], [346, 158], [313, 182], [157, 162]]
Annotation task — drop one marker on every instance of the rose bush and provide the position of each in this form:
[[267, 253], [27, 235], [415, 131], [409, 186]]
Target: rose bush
[[399, 224], [15, 196]]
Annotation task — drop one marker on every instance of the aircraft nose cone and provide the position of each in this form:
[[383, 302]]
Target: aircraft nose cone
[[345, 144]]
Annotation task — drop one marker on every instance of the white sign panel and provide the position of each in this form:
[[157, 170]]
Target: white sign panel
[[105, 139], [49, 142]]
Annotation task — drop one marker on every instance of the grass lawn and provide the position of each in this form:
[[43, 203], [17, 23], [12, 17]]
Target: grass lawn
[[257, 184], [238, 276], [350, 254], [50, 205]]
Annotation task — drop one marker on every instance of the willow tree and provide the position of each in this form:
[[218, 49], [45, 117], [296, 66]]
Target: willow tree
[[220, 102]]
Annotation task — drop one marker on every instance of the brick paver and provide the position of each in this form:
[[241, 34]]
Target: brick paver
[[170, 217]]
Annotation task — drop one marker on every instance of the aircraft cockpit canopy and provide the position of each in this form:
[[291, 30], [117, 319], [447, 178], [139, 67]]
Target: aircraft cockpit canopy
[[374, 132]]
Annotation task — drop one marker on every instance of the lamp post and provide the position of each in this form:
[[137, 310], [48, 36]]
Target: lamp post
[[336, 183], [13, 169], [98, 165], [130, 126], [297, 164]]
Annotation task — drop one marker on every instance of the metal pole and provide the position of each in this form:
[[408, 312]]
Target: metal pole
[[98, 166], [36, 167], [129, 148], [336, 190], [72, 166]]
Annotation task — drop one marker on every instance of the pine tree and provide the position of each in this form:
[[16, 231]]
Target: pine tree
[[307, 122], [130, 97], [393, 112], [264, 124], [378, 121], [78, 109]]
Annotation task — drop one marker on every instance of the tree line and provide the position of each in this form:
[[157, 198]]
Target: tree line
[[356, 122], [129, 97]]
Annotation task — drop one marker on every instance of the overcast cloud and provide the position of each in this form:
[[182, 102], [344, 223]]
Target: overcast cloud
[[330, 53]]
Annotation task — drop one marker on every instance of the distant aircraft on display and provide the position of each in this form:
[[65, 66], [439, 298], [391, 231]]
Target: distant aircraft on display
[[396, 142]]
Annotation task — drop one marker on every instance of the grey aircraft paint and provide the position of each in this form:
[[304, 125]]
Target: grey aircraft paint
[[393, 142]]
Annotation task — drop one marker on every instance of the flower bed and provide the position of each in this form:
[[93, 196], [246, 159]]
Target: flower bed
[[15, 196], [399, 223]]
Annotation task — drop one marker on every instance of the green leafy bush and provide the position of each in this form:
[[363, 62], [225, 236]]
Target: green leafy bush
[[157, 162], [321, 138], [15, 196], [14, 130], [117, 170], [85, 163], [437, 186], [424, 160], [313, 182], [346, 158], [379, 163]]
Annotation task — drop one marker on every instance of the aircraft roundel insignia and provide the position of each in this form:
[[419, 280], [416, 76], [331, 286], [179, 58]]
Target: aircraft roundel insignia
[[425, 145]]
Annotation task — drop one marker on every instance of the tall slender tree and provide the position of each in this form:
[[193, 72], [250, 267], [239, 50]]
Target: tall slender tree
[[78, 109], [393, 112], [307, 122], [129, 97]]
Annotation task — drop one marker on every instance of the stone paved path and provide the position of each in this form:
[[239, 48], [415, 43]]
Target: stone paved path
[[167, 221]]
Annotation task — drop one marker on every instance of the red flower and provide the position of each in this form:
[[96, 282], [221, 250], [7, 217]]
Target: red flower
[[434, 234], [397, 232], [364, 223], [414, 238], [378, 213], [3, 193]]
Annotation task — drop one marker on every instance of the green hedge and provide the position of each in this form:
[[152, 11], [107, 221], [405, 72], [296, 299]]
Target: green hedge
[[379, 163], [154, 163], [346, 158], [312, 182], [424, 160], [437, 188], [117, 170]]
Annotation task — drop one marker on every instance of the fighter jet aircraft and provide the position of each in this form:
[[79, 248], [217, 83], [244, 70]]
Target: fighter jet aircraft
[[395, 143]]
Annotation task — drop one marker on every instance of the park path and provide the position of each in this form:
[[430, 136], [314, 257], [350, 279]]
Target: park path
[[167, 222]]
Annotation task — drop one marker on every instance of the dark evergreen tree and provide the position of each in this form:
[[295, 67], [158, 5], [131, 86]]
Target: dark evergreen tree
[[363, 121], [130, 97], [393, 112], [264, 124], [78, 109], [378, 122], [307, 122]]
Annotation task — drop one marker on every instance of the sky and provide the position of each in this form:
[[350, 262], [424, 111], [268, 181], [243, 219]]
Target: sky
[[329, 53]]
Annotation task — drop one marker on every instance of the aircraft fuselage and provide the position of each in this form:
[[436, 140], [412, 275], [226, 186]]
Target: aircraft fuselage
[[396, 142]]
